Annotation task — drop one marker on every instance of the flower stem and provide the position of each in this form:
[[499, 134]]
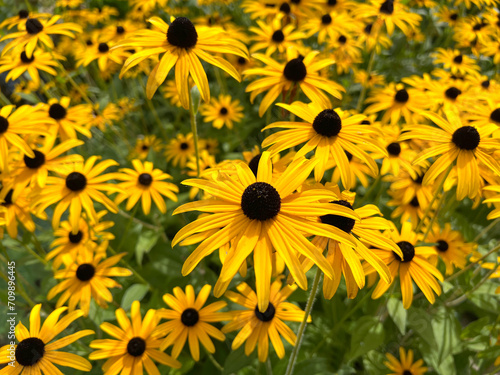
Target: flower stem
[[214, 361], [302, 328], [362, 95], [194, 130], [486, 230]]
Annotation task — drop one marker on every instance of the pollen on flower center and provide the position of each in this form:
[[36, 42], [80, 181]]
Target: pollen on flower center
[[278, 36], [145, 179], [190, 317], [36, 162], [260, 201], [267, 315], [223, 111], [326, 19], [85, 272], [75, 238], [103, 47], [442, 245], [495, 115], [387, 7], [76, 181], [402, 96], [466, 138], [343, 223], [254, 164], [30, 351], [394, 148], [408, 251], [57, 111], [295, 70], [182, 33], [452, 93], [25, 59], [4, 124], [136, 346], [327, 123], [33, 26]]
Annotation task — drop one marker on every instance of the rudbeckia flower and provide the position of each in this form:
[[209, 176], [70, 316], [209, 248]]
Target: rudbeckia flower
[[88, 276], [145, 183], [330, 26], [465, 144], [134, 347], [69, 120], [274, 37], [189, 320], [17, 63], [145, 144], [39, 30], [35, 353], [222, 111], [262, 214], [183, 46], [15, 124], [330, 132], [455, 61], [280, 78], [104, 54], [21, 18], [75, 189], [412, 266], [451, 247], [180, 149], [257, 327], [15, 210], [405, 365]]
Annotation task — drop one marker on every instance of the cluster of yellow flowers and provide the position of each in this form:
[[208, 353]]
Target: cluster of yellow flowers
[[426, 136]]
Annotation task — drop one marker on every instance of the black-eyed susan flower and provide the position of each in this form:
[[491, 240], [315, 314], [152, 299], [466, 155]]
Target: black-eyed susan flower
[[17, 63], [145, 183], [455, 61], [145, 144], [329, 132], [76, 187], [398, 102], [451, 247], [180, 149], [256, 327], [413, 266], [262, 214], [183, 46], [86, 277], [39, 30], [15, 124], [406, 364], [33, 172], [15, 211], [346, 259], [495, 200], [189, 320], [301, 71], [104, 54], [222, 111], [134, 348], [274, 37], [466, 144], [21, 18], [330, 26], [36, 354], [68, 120]]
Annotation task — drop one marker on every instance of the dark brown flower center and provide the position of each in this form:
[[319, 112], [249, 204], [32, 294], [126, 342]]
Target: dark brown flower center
[[295, 70], [57, 111], [36, 162], [285, 8], [145, 179], [345, 224], [30, 351], [75, 238], [452, 93], [387, 7], [23, 14], [182, 33], [442, 245], [278, 36], [458, 59], [402, 96], [184, 146], [190, 317], [4, 124], [76, 181], [254, 164], [103, 47], [326, 19], [267, 315], [495, 115], [466, 138], [223, 111], [136, 346], [120, 30], [342, 39], [85, 272], [327, 123], [394, 149], [260, 201], [408, 252], [33, 26], [7, 201], [25, 59]]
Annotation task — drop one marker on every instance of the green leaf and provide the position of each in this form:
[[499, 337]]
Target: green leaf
[[135, 292], [146, 241], [420, 321], [236, 360], [368, 334], [398, 313]]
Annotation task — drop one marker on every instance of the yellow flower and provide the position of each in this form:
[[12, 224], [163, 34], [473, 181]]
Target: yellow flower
[[222, 111], [405, 366], [180, 149]]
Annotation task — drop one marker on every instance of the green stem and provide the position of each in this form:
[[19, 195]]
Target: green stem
[[4, 99], [127, 265], [269, 368], [470, 265], [127, 226], [155, 113], [361, 98], [429, 207], [486, 230], [194, 130], [214, 361], [466, 295], [438, 209], [303, 324]]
